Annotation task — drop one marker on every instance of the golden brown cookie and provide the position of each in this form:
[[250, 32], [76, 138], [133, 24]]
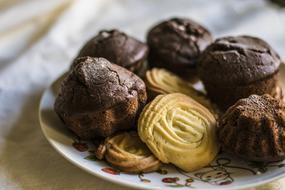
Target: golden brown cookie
[[162, 81], [279, 92], [128, 153], [179, 130]]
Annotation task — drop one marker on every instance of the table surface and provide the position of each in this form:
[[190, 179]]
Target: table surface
[[39, 39]]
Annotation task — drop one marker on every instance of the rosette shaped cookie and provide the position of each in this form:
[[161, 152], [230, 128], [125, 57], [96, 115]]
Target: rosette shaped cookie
[[128, 153], [179, 130], [161, 81]]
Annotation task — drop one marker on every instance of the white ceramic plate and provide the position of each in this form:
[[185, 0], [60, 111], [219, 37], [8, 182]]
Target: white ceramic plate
[[224, 173]]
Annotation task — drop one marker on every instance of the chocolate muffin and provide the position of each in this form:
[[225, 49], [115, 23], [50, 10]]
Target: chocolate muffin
[[176, 44], [236, 67], [99, 98], [118, 48], [253, 129]]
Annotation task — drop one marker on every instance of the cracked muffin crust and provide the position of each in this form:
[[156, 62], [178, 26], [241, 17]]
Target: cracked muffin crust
[[253, 129], [99, 98], [118, 48], [176, 44], [236, 67]]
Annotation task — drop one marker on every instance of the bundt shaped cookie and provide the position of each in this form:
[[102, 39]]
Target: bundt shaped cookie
[[253, 129], [129, 154], [160, 81], [99, 98], [179, 130]]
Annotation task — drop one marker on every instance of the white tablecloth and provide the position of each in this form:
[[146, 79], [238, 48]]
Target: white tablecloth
[[38, 40]]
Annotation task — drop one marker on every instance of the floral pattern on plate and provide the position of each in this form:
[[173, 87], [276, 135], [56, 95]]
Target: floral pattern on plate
[[225, 173], [217, 173]]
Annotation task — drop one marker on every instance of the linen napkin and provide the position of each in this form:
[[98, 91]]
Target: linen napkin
[[39, 39]]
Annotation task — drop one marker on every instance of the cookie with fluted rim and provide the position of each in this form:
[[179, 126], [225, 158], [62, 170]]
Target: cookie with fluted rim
[[128, 153], [179, 130], [160, 81]]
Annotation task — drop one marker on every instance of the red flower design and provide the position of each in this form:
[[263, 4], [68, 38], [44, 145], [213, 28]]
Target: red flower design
[[111, 171], [170, 179], [80, 146], [225, 182]]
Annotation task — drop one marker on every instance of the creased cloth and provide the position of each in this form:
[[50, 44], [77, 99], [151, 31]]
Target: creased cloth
[[39, 39]]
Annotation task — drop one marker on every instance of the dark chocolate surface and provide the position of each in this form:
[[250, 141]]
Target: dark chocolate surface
[[254, 129], [117, 47], [238, 60], [176, 44], [99, 98]]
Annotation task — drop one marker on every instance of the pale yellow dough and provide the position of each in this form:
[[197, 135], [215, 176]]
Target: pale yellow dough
[[161, 81], [128, 153], [179, 130]]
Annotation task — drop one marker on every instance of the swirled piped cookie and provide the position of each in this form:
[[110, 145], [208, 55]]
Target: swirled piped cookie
[[179, 130], [129, 154], [161, 81]]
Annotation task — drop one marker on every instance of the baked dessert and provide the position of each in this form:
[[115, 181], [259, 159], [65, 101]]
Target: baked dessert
[[236, 67], [179, 130], [176, 44], [118, 48], [160, 81], [253, 129], [99, 98], [279, 92], [128, 153]]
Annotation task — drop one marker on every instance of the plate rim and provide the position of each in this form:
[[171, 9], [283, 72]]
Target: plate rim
[[127, 183]]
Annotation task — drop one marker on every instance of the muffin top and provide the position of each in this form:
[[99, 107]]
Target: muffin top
[[253, 128], [117, 47], [238, 60], [178, 41], [97, 84]]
